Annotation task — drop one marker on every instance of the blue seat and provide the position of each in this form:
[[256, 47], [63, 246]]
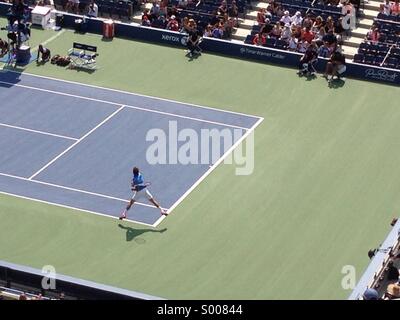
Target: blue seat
[[391, 62], [369, 59], [358, 57]]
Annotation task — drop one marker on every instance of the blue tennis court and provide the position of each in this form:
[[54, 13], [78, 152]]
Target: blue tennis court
[[74, 145]]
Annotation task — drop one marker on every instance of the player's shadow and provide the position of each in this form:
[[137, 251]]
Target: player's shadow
[[132, 233], [337, 83]]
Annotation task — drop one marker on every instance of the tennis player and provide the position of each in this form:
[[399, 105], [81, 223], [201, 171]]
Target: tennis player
[[139, 188]]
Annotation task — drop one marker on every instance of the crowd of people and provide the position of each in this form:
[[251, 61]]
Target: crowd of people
[[299, 32], [219, 24], [390, 7]]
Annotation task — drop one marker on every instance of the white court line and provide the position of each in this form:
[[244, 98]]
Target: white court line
[[127, 106], [214, 166], [37, 131], [72, 208], [74, 144], [73, 189], [59, 33], [133, 94]]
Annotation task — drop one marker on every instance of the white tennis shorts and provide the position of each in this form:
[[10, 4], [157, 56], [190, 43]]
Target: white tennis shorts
[[141, 194]]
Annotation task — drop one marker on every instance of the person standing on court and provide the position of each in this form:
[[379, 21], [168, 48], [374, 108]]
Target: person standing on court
[[139, 188]]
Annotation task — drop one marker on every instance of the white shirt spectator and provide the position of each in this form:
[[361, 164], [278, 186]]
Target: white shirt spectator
[[286, 33], [286, 18], [386, 8], [93, 10], [297, 19], [292, 44]]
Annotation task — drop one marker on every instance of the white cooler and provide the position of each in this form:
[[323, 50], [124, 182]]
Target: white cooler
[[41, 16]]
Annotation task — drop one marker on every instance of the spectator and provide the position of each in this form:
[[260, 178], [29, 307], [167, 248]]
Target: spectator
[[276, 31], [208, 31], [261, 16], [173, 24], [308, 22], [323, 51], [227, 26], [319, 36], [93, 9], [23, 296], [318, 23], [223, 8], [385, 8], [373, 35], [329, 25], [297, 19], [267, 28], [393, 272], [307, 35], [370, 294], [259, 39], [146, 17], [393, 291], [72, 5], [286, 32], [302, 46], [286, 18], [395, 8], [154, 11], [233, 12], [293, 43]]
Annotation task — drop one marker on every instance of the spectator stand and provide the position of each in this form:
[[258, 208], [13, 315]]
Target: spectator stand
[[385, 51], [375, 276]]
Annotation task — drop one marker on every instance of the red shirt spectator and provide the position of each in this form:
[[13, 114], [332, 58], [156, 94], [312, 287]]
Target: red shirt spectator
[[259, 39], [307, 35]]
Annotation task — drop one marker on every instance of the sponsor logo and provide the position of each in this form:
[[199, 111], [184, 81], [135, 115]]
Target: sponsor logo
[[384, 75], [171, 38], [262, 53]]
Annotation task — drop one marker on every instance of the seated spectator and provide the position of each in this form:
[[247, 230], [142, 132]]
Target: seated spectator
[[307, 35], [395, 8], [319, 36], [297, 19], [373, 35], [261, 16], [370, 294], [330, 39], [329, 25], [336, 66], [223, 8], [267, 28], [185, 25], [23, 296], [3, 47], [308, 22], [155, 11], [302, 46], [318, 23], [227, 26], [324, 51], [286, 19], [392, 291], [276, 31], [173, 24], [259, 39], [93, 9], [45, 53], [393, 272], [72, 6], [233, 12], [146, 18], [218, 31], [338, 30], [286, 32], [208, 31], [293, 43], [385, 8]]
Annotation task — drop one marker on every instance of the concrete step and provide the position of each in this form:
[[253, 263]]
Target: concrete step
[[251, 15], [248, 24], [365, 23], [240, 34], [352, 42], [372, 5], [349, 52], [369, 14], [359, 32]]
